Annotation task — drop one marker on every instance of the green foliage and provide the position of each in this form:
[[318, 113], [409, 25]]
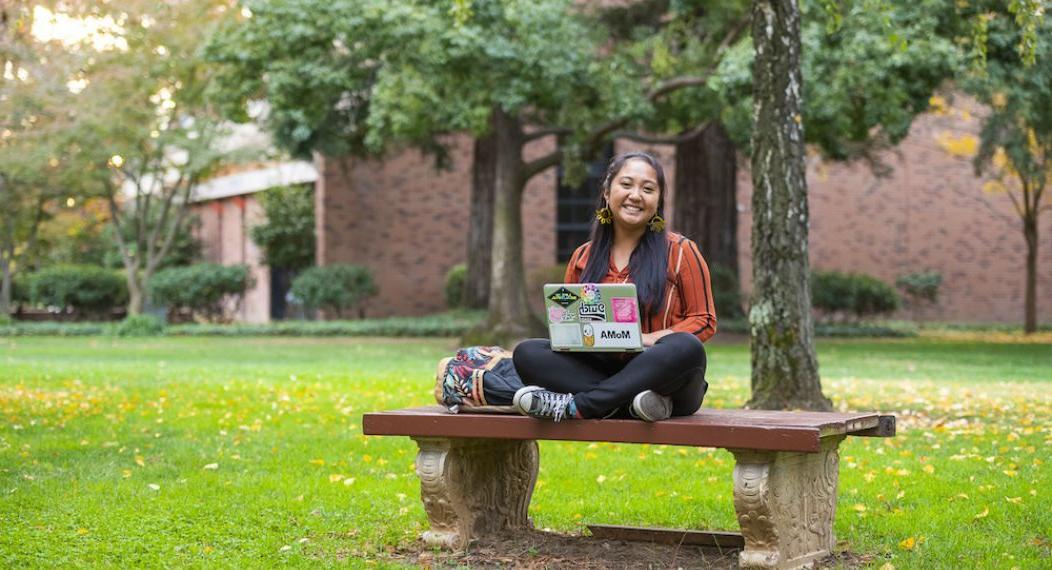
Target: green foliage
[[726, 293], [864, 79], [921, 286], [361, 77], [140, 325], [336, 288], [85, 288], [833, 292], [287, 234], [456, 278], [185, 249], [200, 289]]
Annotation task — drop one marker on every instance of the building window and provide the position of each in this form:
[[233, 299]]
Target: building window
[[576, 206]]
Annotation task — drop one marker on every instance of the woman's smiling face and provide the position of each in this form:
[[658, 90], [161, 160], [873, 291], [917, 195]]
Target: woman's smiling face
[[634, 194]]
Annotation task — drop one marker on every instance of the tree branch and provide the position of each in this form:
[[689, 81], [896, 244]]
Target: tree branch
[[656, 139], [541, 133], [536, 166]]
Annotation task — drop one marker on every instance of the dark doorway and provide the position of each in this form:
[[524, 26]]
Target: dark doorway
[[280, 282]]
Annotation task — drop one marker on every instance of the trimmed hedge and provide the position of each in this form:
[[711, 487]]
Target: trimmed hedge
[[861, 295], [336, 288], [833, 330], [456, 278], [726, 293], [85, 288], [200, 288], [451, 324]]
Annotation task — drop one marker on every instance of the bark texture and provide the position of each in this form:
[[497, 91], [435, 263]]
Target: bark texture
[[509, 314], [784, 365], [480, 230], [705, 199], [1030, 303]]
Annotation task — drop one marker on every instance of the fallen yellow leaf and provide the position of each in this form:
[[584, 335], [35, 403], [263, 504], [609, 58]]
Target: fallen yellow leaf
[[982, 515], [600, 479], [908, 544], [140, 461], [317, 462], [212, 466], [929, 468], [335, 478], [1014, 500]]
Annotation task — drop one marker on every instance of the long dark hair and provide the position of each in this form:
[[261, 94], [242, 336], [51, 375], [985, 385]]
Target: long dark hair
[[648, 265]]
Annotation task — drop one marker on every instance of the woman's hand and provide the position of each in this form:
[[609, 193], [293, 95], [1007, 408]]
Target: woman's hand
[[650, 338]]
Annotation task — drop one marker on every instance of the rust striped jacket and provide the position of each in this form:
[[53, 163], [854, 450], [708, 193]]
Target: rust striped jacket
[[688, 303]]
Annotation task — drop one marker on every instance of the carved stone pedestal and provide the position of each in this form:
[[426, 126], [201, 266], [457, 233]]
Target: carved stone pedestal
[[786, 503], [471, 487]]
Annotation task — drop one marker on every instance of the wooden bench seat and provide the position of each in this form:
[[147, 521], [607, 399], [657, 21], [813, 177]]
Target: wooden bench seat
[[477, 471]]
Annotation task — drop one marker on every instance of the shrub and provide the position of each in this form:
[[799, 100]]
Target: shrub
[[456, 278], [833, 293], [335, 288], [287, 235], [141, 325], [86, 288], [922, 286], [726, 293], [200, 289]]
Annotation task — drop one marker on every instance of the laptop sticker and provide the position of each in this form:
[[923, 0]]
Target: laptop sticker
[[592, 312], [564, 297], [613, 335], [590, 294], [589, 335], [557, 314], [625, 310], [566, 335]]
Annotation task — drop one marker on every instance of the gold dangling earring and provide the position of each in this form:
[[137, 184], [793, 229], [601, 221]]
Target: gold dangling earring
[[604, 215], [656, 224]]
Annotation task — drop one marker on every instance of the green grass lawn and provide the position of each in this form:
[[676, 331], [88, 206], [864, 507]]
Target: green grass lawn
[[245, 452]]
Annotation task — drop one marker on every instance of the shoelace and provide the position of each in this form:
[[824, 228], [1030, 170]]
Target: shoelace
[[552, 404]]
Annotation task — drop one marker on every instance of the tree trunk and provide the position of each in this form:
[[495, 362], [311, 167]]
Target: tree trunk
[[509, 314], [6, 283], [706, 205], [136, 298], [705, 199], [1030, 303], [784, 365], [480, 228]]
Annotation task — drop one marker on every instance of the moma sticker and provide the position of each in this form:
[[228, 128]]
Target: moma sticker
[[564, 297], [615, 335]]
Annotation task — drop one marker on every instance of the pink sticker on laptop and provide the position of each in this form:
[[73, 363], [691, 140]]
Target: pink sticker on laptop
[[625, 310]]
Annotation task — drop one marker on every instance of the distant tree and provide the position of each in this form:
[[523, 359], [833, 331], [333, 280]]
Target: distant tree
[[148, 128], [287, 234], [36, 93], [1015, 150]]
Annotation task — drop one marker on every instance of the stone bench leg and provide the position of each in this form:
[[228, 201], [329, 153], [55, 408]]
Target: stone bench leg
[[785, 504], [472, 487]]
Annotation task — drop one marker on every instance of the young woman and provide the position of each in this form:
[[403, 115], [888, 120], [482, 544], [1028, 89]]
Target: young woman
[[629, 244]]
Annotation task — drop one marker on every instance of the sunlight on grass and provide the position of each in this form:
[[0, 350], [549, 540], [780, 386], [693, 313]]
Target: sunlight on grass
[[249, 452]]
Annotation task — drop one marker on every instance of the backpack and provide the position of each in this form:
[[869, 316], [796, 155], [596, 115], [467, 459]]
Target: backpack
[[477, 379]]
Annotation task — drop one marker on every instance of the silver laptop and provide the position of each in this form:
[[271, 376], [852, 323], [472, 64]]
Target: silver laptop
[[593, 317]]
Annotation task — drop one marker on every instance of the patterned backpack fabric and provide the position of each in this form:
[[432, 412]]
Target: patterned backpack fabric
[[478, 379]]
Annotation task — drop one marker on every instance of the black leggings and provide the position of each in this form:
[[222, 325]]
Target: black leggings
[[603, 382]]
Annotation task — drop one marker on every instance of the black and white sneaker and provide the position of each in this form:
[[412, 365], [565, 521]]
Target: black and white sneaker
[[537, 402], [650, 406]]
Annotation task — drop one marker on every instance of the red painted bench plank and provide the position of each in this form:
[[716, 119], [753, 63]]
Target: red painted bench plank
[[742, 429]]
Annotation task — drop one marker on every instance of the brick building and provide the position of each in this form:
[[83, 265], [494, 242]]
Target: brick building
[[406, 221]]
